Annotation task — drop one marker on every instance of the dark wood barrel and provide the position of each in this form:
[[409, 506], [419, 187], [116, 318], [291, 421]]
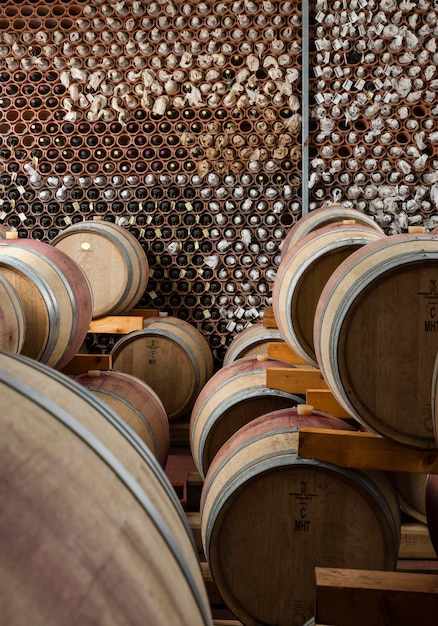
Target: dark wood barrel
[[376, 336], [269, 517], [302, 275], [325, 216], [55, 295], [251, 341], [113, 260], [136, 403], [411, 491], [12, 317], [172, 356], [234, 395], [92, 529]]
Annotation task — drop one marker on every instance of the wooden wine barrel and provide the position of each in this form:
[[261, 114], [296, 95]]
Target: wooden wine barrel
[[325, 216], [302, 275], [113, 260], [136, 403], [269, 517], [55, 295], [376, 336], [12, 317], [171, 356], [92, 529], [234, 395], [411, 491], [251, 341]]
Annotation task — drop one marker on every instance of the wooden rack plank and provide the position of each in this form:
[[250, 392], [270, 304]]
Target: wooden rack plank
[[364, 450], [361, 597], [295, 380], [83, 363], [116, 324], [324, 400], [281, 351], [415, 542]]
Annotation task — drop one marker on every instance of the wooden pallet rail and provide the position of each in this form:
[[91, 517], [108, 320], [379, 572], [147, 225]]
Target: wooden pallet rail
[[295, 380], [361, 597], [281, 351], [83, 363], [121, 324], [363, 450]]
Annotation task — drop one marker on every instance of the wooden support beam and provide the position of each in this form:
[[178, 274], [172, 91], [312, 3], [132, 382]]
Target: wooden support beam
[[360, 597], [145, 313], [281, 351], [116, 324], [364, 450], [193, 491], [324, 400], [295, 380], [83, 363], [268, 318], [194, 520]]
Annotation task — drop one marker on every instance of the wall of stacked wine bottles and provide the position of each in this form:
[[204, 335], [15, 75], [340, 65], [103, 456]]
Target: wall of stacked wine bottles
[[182, 121]]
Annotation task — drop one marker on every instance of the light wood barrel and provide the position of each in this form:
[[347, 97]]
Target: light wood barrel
[[234, 395], [268, 518], [12, 317], [376, 336], [113, 261], [55, 295], [324, 216], [171, 356], [251, 341], [136, 403], [302, 275], [93, 529]]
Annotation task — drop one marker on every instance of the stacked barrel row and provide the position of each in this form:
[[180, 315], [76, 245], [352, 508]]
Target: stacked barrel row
[[92, 498], [267, 516]]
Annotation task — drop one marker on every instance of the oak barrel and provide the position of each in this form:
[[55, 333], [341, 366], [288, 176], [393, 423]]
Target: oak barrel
[[12, 317], [411, 491], [303, 273], [172, 356], [269, 517], [251, 341], [113, 260], [325, 216], [136, 403], [92, 529], [376, 336], [234, 395], [55, 295]]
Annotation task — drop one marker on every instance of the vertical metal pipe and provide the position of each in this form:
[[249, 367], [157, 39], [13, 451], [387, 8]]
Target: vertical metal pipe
[[305, 109]]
